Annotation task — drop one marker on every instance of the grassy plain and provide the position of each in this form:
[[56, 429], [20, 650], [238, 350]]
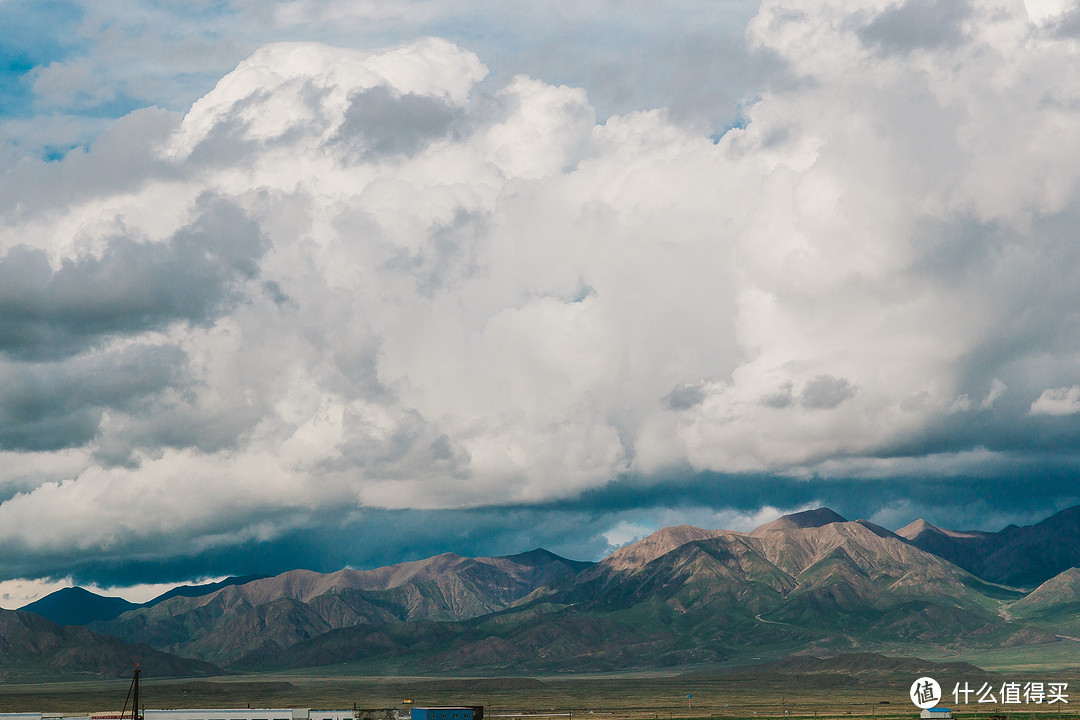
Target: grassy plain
[[649, 696]]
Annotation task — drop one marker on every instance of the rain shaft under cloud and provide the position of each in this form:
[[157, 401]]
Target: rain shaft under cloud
[[347, 281]]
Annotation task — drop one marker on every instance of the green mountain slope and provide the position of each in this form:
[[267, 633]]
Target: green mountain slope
[[1053, 606]]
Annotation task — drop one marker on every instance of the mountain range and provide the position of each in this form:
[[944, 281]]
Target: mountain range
[[807, 583], [261, 618]]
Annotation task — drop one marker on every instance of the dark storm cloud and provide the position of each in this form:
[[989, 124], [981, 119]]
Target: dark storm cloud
[[917, 25], [955, 501], [133, 287], [334, 539], [381, 121], [574, 528], [50, 406], [1008, 428]]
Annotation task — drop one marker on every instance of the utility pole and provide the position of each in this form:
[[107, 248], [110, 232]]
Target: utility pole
[[133, 696]]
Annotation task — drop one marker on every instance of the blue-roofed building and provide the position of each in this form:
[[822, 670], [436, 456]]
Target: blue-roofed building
[[937, 713], [443, 713]]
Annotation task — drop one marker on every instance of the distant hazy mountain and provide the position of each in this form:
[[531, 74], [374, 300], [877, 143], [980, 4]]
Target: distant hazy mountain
[[79, 606], [1019, 556], [33, 648], [263, 617], [76, 606]]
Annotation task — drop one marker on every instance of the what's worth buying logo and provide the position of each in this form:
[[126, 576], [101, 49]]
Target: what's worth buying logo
[[925, 692]]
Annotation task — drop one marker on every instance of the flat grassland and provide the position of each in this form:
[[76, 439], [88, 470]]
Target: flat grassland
[[651, 696]]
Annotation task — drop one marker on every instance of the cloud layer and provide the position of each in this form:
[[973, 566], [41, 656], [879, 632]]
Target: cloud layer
[[345, 281]]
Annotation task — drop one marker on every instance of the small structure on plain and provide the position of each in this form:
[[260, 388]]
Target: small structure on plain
[[475, 712]]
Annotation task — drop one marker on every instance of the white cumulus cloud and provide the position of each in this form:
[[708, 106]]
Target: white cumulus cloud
[[1057, 401], [348, 279]]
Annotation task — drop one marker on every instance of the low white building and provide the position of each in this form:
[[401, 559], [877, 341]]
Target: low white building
[[230, 714], [199, 714]]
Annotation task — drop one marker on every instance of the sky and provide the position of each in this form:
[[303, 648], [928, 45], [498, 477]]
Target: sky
[[287, 283]]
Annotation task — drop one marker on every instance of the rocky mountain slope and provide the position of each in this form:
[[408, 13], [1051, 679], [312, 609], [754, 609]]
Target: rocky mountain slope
[[33, 648], [261, 618], [200, 590]]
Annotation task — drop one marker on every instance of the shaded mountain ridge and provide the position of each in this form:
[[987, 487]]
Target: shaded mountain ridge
[[79, 606], [33, 648], [1019, 556]]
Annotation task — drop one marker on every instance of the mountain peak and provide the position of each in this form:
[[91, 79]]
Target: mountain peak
[[659, 543], [818, 517], [540, 558], [533, 557], [916, 528], [78, 606]]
